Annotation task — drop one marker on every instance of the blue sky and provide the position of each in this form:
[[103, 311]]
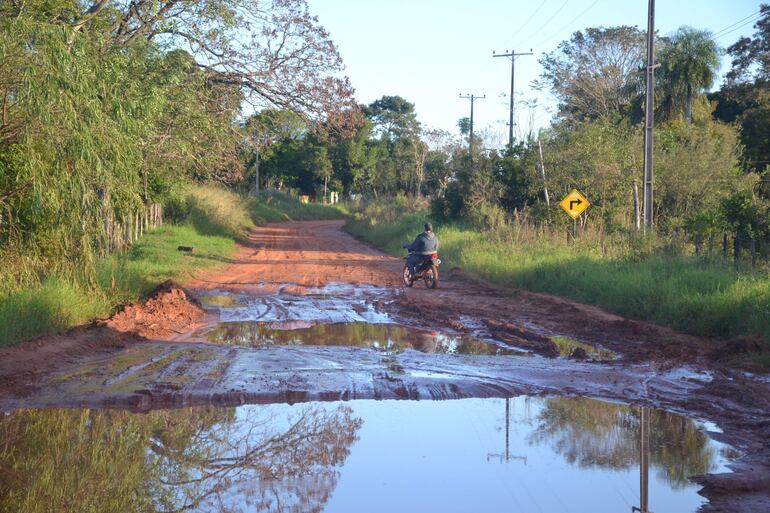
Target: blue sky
[[429, 51]]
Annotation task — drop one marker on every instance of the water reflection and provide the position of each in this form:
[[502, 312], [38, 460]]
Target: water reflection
[[522, 454], [391, 338], [204, 459], [593, 433]]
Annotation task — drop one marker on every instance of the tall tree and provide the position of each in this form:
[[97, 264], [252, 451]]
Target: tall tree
[[751, 55], [689, 62], [395, 122], [591, 74], [393, 117], [745, 97]]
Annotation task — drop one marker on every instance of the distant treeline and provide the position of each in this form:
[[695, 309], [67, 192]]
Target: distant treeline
[[109, 107], [712, 151]]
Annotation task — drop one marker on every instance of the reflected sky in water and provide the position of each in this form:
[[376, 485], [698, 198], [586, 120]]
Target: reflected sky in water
[[564, 454]]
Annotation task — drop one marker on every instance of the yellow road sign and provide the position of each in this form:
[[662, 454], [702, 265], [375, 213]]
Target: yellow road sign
[[574, 204]]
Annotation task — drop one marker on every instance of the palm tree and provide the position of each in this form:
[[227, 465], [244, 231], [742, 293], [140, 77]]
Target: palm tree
[[689, 64]]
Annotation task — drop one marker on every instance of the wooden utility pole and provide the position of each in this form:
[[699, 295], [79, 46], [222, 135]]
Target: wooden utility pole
[[472, 98], [644, 462], [256, 170], [512, 55], [542, 173], [649, 116]]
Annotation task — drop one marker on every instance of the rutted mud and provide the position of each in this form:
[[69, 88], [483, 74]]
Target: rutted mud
[[279, 324]]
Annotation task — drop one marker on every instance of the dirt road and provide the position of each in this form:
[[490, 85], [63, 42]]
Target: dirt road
[[172, 350]]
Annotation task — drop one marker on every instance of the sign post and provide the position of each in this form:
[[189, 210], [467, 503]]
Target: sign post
[[574, 204]]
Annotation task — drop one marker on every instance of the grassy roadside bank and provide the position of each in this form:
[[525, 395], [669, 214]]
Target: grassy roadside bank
[[209, 218], [682, 292]]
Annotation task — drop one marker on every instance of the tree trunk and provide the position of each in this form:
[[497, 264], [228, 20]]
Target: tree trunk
[[688, 104]]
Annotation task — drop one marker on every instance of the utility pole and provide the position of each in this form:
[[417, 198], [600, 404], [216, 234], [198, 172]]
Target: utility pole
[[644, 462], [507, 456], [472, 98], [256, 171], [542, 173], [649, 116], [512, 55]]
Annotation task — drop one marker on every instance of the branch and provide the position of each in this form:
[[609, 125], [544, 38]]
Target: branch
[[92, 11]]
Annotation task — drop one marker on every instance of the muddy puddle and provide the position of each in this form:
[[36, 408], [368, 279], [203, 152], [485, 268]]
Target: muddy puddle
[[330, 304], [388, 338], [519, 454]]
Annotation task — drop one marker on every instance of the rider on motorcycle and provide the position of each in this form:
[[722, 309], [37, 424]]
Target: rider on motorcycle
[[424, 245]]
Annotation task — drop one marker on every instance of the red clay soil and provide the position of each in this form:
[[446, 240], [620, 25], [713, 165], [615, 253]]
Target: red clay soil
[[295, 257], [166, 312], [299, 258]]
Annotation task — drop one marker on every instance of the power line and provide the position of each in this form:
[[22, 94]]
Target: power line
[[718, 32], [572, 21], [737, 28], [541, 27], [523, 24]]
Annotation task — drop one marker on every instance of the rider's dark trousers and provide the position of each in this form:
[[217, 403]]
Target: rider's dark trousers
[[413, 261]]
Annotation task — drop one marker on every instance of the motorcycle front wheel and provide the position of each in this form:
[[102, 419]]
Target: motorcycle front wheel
[[407, 277], [431, 277]]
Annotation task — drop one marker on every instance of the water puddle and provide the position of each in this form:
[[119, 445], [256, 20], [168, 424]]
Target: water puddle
[[330, 304], [389, 338], [519, 454]]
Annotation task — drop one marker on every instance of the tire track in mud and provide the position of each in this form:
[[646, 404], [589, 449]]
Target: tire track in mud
[[316, 272]]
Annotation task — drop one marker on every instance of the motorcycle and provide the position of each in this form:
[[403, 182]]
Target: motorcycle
[[426, 269]]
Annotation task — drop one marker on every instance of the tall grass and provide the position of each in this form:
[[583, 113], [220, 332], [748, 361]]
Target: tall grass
[[637, 278], [209, 218]]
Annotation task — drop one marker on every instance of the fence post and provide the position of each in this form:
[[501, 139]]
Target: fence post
[[725, 247], [698, 244]]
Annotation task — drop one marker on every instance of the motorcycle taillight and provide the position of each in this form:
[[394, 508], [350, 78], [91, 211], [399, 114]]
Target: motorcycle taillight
[[434, 255]]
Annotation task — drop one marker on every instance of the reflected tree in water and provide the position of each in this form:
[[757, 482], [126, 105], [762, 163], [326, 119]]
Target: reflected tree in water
[[390, 338], [597, 434], [203, 459]]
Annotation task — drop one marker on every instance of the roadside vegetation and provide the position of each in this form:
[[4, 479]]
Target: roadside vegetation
[[208, 218], [653, 278], [114, 111]]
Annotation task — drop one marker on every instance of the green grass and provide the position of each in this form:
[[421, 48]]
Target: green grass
[[212, 219], [58, 304], [672, 290], [275, 206]]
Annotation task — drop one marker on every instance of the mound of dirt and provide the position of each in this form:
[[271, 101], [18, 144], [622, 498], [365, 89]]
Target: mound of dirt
[[167, 311]]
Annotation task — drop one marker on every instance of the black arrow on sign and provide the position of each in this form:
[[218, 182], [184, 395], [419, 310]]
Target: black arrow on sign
[[573, 202]]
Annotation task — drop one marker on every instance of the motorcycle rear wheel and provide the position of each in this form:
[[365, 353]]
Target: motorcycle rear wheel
[[431, 277], [408, 281]]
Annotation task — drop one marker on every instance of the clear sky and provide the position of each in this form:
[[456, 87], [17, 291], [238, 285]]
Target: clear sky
[[429, 51]]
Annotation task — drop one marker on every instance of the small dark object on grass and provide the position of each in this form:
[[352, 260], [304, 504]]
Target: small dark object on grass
[[188, 249], [579, 354]]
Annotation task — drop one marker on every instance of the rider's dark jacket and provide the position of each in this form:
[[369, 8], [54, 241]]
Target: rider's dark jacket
[[425, 244]]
